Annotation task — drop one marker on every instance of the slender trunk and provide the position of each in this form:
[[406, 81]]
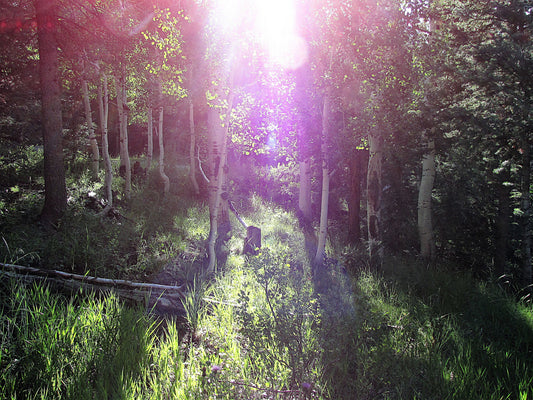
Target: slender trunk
[[303, 86], [219, 216], [103, 111], [373, 198], [162, 174], [125, 165], [425, 218], [55, 192], [503, 223], [322, 233], [526, 210], [95, 154], [192, 147], [150, 150], [192, 133], [127, 160], [304, 197], [425, 221], [354, 202]]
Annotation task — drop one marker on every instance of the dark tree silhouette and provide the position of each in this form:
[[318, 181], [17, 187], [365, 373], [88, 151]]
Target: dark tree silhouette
[[54, 171]]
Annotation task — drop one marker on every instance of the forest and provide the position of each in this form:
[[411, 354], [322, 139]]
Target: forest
[[250, 199]]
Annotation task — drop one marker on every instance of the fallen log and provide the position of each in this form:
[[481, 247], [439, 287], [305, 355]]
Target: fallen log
[[157, 298]]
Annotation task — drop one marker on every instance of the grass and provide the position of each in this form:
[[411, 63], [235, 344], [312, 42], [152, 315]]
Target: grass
[[148, 234], [263, 332], [262, 327]]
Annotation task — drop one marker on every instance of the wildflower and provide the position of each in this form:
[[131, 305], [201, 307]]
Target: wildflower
[[215, 369], [306, 386]]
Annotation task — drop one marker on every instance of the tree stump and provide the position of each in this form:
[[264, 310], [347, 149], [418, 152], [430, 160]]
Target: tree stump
[[252, 243]]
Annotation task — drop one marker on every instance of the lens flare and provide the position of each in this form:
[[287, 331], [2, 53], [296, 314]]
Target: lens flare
[[276, 26], [273, 22]]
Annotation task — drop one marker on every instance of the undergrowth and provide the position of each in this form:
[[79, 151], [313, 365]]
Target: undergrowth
[[261, 330], [264, 327]]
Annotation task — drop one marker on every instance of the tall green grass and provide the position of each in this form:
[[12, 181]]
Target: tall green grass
[[265, 335], [54, 347]]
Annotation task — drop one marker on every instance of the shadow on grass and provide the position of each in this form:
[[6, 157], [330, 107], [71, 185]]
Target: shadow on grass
[[482, 337], [120, 359], [409, 332]]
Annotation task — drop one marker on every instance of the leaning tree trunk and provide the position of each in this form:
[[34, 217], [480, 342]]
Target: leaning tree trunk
[[373, 199], [322, 233], [425, 221], [55, 192], [103, 111], [125, 164], [95, 153]]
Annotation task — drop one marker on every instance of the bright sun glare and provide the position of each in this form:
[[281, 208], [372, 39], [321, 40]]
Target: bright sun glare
[[274, 22]]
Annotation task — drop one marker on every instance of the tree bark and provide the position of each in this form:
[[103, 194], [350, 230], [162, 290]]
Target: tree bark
[[192, 148], [192, 134], [304, 197], [103, 111], [303, 87], [162, 174], [150, 149], [323, 230], [425, 220], [503, 223], [354, 201], [125, 163], [373, 198], [95, 153], [218, 168], [526, 210], [55, 201]]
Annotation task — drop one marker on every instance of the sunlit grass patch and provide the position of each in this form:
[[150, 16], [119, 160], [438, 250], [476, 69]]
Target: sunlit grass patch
[[54, 347], [279, 228], [194, 223]]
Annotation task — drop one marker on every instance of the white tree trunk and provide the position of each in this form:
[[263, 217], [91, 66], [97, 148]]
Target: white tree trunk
[[322, 233], [123, 124], [425, 221], [218, 155], [103, 111], [162, 174], [92, 136]]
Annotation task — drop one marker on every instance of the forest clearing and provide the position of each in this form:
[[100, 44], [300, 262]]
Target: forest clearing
[[245, 199]]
